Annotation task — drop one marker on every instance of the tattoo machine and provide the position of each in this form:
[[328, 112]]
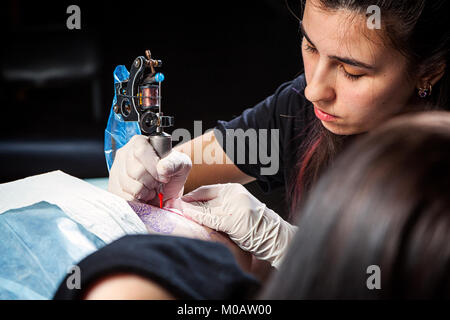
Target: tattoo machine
[[139, 99]]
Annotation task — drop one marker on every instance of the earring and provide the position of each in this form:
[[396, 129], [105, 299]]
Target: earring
[[425, 92]]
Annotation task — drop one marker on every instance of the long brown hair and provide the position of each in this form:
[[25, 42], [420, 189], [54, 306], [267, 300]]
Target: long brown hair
[[418, 30]]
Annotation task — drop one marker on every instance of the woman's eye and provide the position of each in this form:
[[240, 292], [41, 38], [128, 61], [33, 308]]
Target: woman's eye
[[349, 75], [309, 48]]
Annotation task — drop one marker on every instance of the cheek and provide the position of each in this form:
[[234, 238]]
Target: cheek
[[373, 101], [390, 97], [397, 94], [355, 103]]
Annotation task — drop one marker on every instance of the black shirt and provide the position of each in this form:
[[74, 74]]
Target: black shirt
[[287, 110], [187, 268]]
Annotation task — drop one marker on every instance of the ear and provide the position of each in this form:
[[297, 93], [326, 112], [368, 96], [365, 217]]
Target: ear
[[432, 77]]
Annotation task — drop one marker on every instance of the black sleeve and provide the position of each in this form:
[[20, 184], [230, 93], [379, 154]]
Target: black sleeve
[[275, 112], [187, 268]]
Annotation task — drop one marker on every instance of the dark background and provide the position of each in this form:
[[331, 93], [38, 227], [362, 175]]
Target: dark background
[[219, 57]]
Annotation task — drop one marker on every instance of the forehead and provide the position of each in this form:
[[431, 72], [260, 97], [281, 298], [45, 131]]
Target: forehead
[[344, 33]]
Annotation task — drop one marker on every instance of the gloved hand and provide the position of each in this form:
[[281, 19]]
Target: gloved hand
[[230, 208], [137, 172]]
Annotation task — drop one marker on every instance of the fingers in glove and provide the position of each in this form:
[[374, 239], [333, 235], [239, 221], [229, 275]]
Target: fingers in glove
[[136, 170], [202, 215], [175, 164], [135, 189], [204, 193], [146, 155]]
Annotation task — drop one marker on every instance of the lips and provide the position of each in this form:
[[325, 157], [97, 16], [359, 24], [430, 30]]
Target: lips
[[323, 115]]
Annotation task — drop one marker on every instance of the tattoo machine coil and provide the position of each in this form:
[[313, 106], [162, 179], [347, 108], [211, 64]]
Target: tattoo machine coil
[[139, 99]]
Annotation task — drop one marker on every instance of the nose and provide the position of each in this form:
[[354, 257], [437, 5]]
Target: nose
[[320, 87]]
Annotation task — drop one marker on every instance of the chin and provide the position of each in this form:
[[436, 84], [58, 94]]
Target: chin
[[340, 129]]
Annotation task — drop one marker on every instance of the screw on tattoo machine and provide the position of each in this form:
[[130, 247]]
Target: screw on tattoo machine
[[139, 99]]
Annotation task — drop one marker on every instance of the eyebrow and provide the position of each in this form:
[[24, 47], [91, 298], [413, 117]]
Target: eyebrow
[[348, 61]]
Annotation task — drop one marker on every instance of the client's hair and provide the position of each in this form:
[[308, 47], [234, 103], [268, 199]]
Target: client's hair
[[386, 203]]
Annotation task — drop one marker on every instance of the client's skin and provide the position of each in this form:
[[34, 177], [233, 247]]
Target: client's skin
[[166, 222], [126, 286], [121, 286]]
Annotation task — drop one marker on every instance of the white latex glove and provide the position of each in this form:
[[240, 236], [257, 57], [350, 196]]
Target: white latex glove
[[230, 208], [137, 172]]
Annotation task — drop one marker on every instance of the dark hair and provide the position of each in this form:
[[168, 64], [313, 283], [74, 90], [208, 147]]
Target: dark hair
[[386, 202], [416, 28]]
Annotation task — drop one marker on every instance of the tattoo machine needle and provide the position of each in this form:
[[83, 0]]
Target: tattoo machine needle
[[160, 195]]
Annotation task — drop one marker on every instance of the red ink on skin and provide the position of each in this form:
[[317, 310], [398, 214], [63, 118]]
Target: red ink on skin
[[180, 214], [161, 197]]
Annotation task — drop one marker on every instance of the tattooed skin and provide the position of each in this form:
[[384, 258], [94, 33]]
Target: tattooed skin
[[153, 218]]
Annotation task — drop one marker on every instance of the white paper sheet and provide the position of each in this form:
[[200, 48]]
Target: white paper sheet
[[106, 215]]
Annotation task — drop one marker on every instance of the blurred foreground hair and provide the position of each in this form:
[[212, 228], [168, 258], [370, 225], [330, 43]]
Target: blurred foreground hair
[[385, 202]]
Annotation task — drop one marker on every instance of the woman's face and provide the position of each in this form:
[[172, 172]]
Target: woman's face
[[354, 81]]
